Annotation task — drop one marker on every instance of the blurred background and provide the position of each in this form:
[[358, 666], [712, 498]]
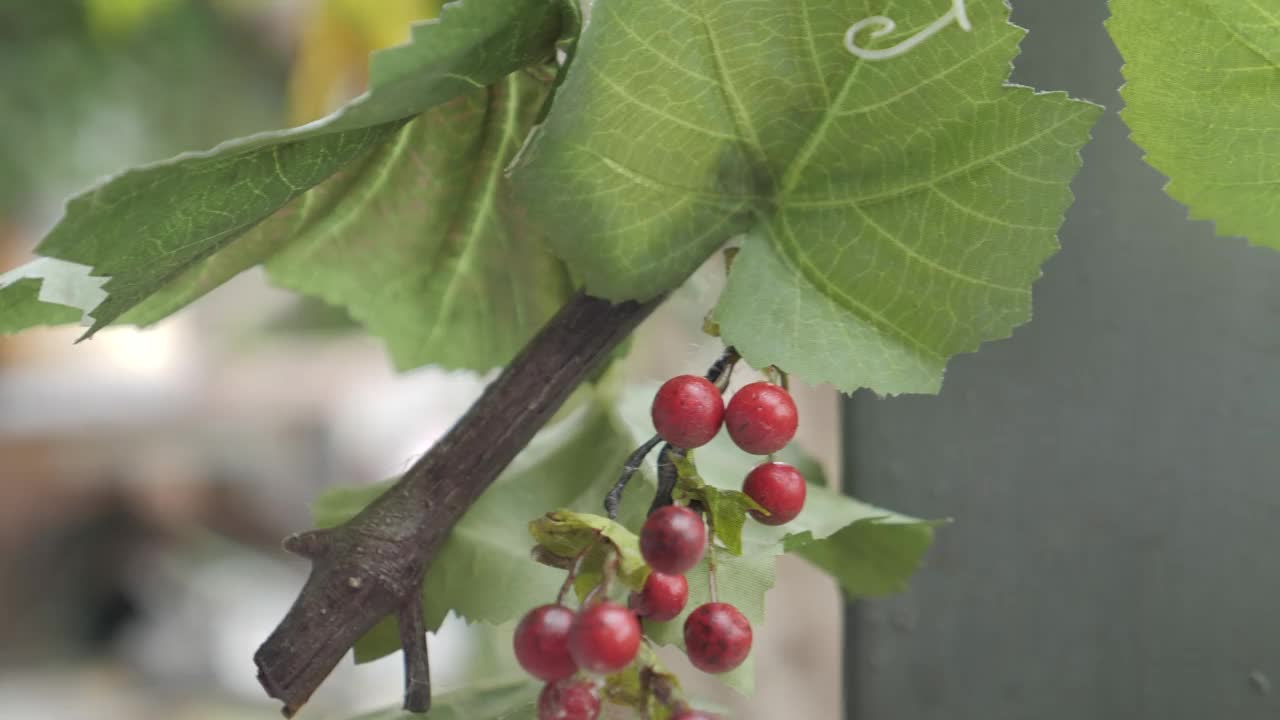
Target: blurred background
[[147, 477]]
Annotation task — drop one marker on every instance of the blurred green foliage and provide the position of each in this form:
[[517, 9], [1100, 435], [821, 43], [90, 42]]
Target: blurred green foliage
[[88, 88]]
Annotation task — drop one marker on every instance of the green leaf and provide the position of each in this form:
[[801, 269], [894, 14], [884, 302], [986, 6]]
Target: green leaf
[[45, 292], [865, 559], [1201, 82], [628, 688], [416, 240], [567, 534], [419, 244], [898, 210], [728, 508], [512, 699], [148, 228]]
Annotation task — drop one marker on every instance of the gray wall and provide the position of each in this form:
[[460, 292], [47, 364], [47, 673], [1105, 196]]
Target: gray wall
[[1111, 469]]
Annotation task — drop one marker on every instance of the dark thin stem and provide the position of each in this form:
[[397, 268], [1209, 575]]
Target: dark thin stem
[[574, 569], [417, 668], [668, 476], [719, 374], [658, 685], [721, 370], [370, 566], [611, 563], [634, 461], [711, 557], [646, 677]]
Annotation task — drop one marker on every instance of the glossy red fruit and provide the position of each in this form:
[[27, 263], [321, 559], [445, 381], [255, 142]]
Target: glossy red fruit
[[687, 411], [779, 488], [761, 418], [605, 638], [542, 643], [688, 714], [568, 700], [662, 598], [673, 539], [717, 637]]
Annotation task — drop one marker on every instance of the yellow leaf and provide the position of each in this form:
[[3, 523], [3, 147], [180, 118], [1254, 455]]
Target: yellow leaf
[[107, 18]]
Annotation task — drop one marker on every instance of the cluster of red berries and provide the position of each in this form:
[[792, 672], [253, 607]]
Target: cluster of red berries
[[564, 648], [761, 418], [553, 643], [717, 637]]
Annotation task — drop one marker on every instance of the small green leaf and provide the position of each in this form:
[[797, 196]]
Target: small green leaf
[[22, 308], [897, 210], [628, 687], [512, 699], [148, 228], [567, 534], [1201, 82], [728, 508], [865, 559]]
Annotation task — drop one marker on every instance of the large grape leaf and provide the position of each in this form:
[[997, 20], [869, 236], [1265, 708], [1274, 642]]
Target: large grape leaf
[[416, 240], [1202, 97], [897, 209], [149, 227]]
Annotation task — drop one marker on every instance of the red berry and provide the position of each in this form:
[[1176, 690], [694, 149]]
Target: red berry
[[542, 643], [688, 714], [687, 411], [568, 700], [717, 637], [605, 638], [662, 598], [673, 539], [761, 418], [779, 488]]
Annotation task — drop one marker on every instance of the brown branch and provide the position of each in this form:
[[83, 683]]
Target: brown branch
[[372, 566], [417, 669]]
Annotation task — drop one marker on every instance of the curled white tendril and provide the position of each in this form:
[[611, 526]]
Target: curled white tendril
[[881, 26]]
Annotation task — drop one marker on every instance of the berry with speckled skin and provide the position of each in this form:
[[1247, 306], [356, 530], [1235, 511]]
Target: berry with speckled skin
[[687, 411], [778, 488], [717, 637], [662, 598], [605, 638], [761, 418], [688, 714], [568, 700], [542, 643], [673, 539]]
